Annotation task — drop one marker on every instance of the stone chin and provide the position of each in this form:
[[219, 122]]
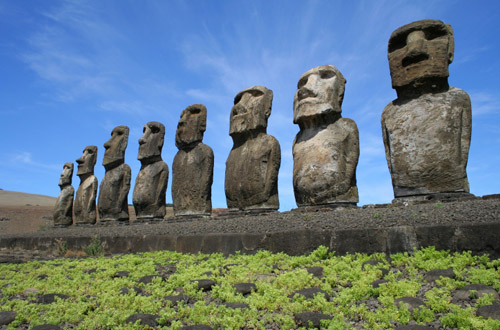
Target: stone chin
[[307, 109], [83, 169], [146, 154], [240, 124], [418, 73], [108, 161], [185, 139], [64, 181]]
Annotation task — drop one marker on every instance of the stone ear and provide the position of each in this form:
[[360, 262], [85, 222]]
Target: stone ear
[[451, 43]]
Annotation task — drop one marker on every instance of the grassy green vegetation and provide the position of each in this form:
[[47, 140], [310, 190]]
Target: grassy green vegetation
[[96, 299]]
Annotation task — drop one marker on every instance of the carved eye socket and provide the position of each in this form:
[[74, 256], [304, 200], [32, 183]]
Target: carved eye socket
[[397, 43], [119, 133], [256, 93], [90, 151], [326, 74], [302, 82], [155, 129], [435, 32], [195, 111]]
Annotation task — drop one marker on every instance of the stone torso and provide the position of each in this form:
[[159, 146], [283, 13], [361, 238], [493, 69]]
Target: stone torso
[[63, 211], [252, 174], [149, 191], [427, 143], [324, 164], [84, 206], [113, 194], [192, 175]]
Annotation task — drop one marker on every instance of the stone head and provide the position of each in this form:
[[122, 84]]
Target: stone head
[[420, 50], [151, 142], [87, 161], [115, 146], [320, 91], [66, 175], [191, 126], [252, 108]]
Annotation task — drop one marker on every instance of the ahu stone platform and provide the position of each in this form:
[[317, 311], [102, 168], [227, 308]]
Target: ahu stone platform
[[472, 224]]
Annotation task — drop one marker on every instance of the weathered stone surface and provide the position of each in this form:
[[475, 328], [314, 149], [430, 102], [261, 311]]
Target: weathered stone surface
[[50, 298], [412, 302], [193, 167], [489, 311], [63, 210], [7, 317], [151, 182], [113, 192], [315, 271], [427, 129], [46, 327], [436, 274], [245, 288], [252, 166], [144, 319], [205, 284], [308, 319], [149, 279], [475, 291], [326, 150], [236, 305], [84, 206], [176, 299], [309, 293]]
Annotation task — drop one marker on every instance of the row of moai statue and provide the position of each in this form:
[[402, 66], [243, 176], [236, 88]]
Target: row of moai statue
[[426, 133]]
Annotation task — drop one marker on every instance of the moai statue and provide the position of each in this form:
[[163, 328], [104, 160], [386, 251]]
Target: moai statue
[[63, 211], [427, 129], [113, 192], [84, 205], [193, 168], [151, 182], [252, 166], [326, 149]]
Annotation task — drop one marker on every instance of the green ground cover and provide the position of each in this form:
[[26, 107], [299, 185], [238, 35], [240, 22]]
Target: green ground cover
[[98, 299]]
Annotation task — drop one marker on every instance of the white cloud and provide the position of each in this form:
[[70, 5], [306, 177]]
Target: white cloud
[[25, 160]]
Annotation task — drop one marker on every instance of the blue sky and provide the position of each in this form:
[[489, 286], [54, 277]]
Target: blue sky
[[73, 70]]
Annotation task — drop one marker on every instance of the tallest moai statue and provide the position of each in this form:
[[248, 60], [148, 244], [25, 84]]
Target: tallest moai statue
[[427, 129]]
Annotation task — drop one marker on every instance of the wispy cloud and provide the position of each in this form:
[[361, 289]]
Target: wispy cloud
[[484, 104], [24, 158]]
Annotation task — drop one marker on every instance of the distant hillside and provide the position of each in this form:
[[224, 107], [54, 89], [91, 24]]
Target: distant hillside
[[14, 198]]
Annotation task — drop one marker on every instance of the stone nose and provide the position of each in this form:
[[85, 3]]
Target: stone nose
[[305, 92], [416, 48]]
